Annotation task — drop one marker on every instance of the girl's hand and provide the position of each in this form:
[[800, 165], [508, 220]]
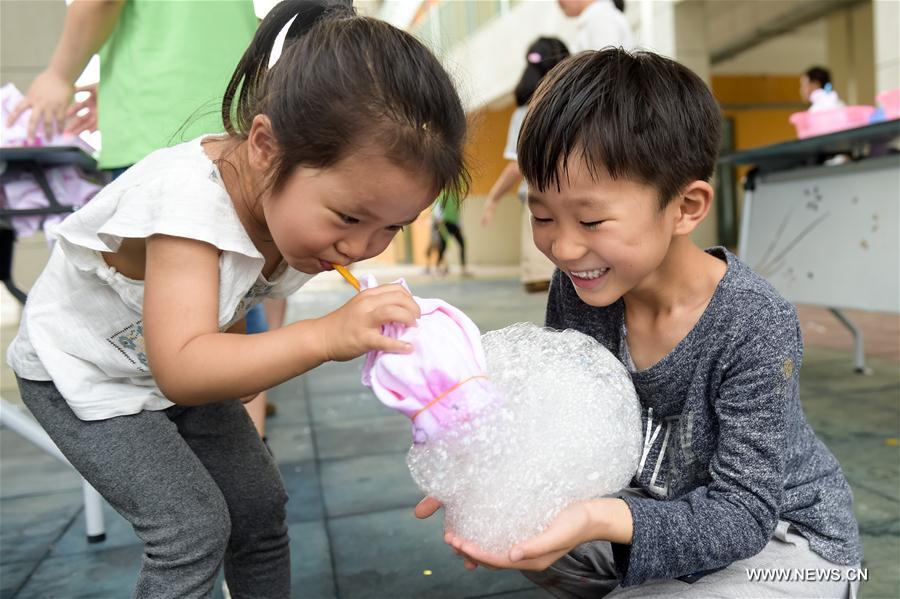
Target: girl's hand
[[355, 328], [48, 97]]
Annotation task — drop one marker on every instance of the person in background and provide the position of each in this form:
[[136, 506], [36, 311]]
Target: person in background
[[163, 69], [542, 55], [433, 252], [815, 88], [445, 212], [601, 23]]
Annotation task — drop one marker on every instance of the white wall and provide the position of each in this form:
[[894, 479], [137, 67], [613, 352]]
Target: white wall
[[28, 34], [887, 44], [784, 55], [488, 65]]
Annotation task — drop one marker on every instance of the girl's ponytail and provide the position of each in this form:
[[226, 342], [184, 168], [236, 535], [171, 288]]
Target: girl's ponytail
[[251, 71]]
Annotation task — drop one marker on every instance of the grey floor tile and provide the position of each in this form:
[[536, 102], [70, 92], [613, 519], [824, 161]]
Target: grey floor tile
[[13, 576], [879, 527], [338, 379], [392, 555], [361, 403], [109, 574], [880, 561], [876, 513], [301, 481], [30, 525], [311, 573], [532, 593], [368, 484], [27, 470], [289, 441], [290, 403], [388, 433], [119, 533]]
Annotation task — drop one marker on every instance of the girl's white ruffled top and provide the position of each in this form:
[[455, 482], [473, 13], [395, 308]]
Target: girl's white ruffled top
[[82, 325]]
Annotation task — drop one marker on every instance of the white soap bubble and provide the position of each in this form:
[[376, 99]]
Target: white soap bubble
[[567, 429]]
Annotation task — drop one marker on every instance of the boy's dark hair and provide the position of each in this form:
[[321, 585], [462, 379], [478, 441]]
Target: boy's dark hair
[[818, 75], [637, 115], [543, 54], [343, 82], [620, 4]]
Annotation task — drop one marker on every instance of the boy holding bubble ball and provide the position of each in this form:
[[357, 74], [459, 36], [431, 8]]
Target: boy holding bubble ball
[[618, 149]]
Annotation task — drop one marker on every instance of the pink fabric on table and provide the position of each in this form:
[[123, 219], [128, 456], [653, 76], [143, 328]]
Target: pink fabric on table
[[17, 134], [444, 381], [20, 191]]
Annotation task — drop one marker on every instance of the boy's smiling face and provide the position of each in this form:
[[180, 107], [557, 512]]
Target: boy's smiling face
[[607, 235]]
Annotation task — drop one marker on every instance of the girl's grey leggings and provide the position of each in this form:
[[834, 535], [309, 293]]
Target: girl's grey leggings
[[197, 484]]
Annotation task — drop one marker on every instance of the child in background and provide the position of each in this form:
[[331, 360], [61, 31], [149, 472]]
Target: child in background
[[542, 55], [815, 88], [732, 478], [127, 353], [434, 252], [445, 212]]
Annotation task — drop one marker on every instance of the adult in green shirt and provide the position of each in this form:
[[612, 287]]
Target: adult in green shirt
[[162, 64], [164, 67]]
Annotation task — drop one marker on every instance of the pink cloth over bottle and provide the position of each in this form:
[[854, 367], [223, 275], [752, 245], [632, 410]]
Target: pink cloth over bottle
[[444, 381]]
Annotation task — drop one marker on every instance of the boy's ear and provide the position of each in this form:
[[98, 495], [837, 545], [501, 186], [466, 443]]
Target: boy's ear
[[261, 144], [694, 203]]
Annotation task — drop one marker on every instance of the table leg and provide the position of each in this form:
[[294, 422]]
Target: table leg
[[859, 353]]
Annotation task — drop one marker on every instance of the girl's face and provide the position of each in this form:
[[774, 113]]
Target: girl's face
[[344, 213]]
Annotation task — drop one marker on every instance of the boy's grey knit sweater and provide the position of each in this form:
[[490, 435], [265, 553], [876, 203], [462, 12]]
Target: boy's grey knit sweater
[[728, 450]]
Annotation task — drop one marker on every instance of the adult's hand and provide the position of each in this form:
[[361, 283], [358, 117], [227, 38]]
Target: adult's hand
[[83, 115], [48, 97]]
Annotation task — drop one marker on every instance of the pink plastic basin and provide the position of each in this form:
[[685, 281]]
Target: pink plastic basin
[[810, 124], [890, 101]]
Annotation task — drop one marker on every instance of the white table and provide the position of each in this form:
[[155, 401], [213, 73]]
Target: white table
[[827, 235]]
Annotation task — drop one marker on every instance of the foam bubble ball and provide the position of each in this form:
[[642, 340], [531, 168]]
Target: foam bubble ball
[[565, 428]]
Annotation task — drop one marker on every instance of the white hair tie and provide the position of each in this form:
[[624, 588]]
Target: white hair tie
[[278, 46]]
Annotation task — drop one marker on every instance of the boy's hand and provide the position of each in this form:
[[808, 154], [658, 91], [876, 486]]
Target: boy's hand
[[355, 328], [538, 553], [606, 518], [568, 530], [428, 506]]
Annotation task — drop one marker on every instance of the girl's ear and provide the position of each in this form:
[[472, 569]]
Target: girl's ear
[[261, 144]]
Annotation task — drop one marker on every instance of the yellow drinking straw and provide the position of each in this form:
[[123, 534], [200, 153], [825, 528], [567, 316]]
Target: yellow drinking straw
[[348, 276]]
